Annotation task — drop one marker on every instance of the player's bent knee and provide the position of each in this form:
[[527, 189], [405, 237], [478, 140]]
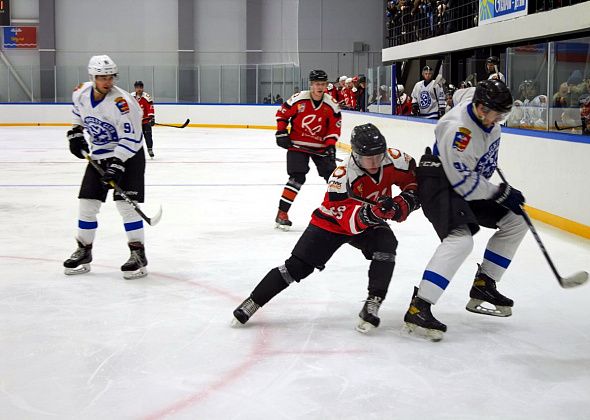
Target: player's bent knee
[[89, 208], [388, 257], [298, 179], [295, 269]]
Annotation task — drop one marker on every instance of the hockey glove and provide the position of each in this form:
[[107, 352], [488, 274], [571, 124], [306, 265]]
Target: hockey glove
[[404, 204], [441, 112], [415, 110], [331, 154], [152, 121], [77, 141], [283, 139], [114, 172], [374, 214], [510, 198]]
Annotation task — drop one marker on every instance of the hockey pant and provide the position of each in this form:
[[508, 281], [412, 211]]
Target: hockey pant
[[316, 246]]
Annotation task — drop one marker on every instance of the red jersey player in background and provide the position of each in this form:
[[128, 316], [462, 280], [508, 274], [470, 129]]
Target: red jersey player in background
[[345, 216], [148, 119], [315, 120]]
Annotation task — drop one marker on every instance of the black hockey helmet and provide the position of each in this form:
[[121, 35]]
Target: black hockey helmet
[[367, 140], [427, 68], [493, 60], [493, 94], [138, 83], [318, 76]]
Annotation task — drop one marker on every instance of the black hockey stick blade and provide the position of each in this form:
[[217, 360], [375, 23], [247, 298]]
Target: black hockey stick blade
[[175, 126], [557, 127], [152, 221]]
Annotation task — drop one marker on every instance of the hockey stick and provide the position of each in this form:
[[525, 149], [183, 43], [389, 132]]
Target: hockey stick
[[152, 221], [313, 152], [358, 197], [566, 128], [175, 126], [575, 279]]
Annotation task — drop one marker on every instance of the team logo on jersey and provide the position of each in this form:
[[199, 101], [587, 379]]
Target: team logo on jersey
[[462, 139], [489, 161], [425, 99], [101, 131], [300, 108], [122, 105]]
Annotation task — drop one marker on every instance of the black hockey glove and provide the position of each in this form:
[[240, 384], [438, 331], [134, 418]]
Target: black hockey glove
[[331, 153], [152, 121], [114, 172], [283, 139], [441, 112], [510, 198], [415, 110], [404, 204], [77, 142]]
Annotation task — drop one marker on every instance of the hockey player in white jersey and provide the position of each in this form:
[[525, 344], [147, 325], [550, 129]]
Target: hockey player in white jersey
[[111, 119], [493, 69], [457, 198], [428, 97]]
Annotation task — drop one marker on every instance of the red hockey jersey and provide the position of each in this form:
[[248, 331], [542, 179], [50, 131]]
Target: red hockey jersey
[[147, 106], [339, 213], [311, 127]]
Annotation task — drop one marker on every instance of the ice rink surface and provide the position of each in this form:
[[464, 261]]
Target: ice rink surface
[[97, 346]]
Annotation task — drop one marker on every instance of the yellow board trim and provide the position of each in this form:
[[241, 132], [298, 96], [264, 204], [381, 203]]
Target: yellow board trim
[[559, 222]]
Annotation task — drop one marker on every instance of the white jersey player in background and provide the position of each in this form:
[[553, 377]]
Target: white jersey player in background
[[457, 198], [493, 69], [112, 121], [428, 97]]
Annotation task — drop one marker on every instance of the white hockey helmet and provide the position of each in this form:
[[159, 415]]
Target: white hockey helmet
[[101, 65]]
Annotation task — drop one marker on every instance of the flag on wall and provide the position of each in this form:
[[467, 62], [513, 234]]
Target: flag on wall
[[20, 37]]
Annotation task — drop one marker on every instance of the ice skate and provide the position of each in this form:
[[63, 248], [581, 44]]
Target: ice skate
[[135, 267], [419, 320], [151, 153], [79, 262], [243, 312], [282, 221], [484, 291], [368, 317]]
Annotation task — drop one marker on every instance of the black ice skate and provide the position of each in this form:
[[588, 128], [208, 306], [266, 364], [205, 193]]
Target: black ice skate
[[243, 312], [419, 320], [282, 221], [484, 290], [135, 267], [79, 262], [151, 153], [369, 318]]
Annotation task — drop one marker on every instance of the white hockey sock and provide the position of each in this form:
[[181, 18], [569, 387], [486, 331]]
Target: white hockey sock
[[503, 245], [445, 262], [131, 221], [87, 220]]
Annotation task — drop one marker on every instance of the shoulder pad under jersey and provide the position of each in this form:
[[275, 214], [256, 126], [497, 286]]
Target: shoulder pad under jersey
[[400, 159]]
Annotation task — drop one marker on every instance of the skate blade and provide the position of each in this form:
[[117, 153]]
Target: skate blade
[[81, 269], [137, 274], [284, 228], [476, 306], [413, 330], [364, 326]]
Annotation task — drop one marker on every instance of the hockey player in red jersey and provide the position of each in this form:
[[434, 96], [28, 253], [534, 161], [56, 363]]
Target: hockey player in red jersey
[[148, 119], [355, 209], [315, 120]]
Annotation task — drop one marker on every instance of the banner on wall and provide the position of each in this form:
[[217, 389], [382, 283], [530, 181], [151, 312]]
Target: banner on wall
[[20, 37], [491, 11]]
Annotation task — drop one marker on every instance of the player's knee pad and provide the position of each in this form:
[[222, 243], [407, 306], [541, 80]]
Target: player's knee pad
[[127, 212], [298, 180], [386, 257], [88, 209], [295, 269]]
